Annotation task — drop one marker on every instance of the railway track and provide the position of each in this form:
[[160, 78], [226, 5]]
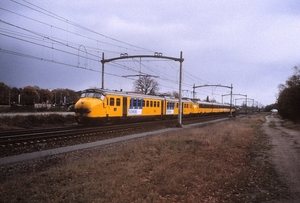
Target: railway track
[[25, 141]]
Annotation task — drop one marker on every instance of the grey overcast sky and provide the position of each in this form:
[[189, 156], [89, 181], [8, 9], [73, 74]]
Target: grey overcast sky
[[251, 44]]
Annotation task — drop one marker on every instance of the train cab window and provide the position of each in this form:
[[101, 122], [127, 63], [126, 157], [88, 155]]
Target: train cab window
[[112, 101], [151, 103], [97, 95], [118, 102], [92, 95], [89, 94]]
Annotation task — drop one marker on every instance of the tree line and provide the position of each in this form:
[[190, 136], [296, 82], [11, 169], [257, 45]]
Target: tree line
[[289, 96], [30, 95], [288, 100]]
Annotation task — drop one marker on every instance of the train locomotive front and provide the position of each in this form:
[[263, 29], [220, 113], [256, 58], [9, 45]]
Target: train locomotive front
[[90, 106]]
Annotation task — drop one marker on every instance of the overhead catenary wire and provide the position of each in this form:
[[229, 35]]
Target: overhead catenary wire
[[92, 51], [60, 18]]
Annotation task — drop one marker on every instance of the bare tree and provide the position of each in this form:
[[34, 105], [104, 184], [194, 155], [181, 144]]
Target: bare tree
[[289, 97], [30, 95], [146, 84]]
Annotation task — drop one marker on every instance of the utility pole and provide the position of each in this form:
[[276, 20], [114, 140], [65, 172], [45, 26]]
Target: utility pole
[[231, 87], [102, 86], [180, 95], [156, 55]]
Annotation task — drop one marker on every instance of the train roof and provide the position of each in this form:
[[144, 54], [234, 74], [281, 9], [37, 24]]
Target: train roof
[[134, 94]]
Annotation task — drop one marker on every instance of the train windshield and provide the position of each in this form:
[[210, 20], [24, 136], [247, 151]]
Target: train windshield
[[92, 95]]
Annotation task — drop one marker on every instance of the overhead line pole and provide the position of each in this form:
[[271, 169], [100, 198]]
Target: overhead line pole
[[180, 94], [156, 55], [194, 87]]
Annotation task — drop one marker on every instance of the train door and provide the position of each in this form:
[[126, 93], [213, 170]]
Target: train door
[[124, 106], [114, 106], [183, 108], [162, 107]]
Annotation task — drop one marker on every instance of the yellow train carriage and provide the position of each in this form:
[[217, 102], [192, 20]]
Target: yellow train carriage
[[188, 107], [207, 107], [102, 105], [170, 107]]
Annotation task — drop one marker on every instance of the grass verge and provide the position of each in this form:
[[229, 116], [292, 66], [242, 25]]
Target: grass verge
[[32, 121], [222, 162]]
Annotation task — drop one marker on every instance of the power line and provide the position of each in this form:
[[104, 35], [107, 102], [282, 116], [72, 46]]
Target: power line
[[55, 16], [33, 39]]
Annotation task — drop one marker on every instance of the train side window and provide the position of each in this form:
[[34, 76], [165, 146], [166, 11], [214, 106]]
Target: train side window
[[143, 101], [118, 102], [151, 103], [154, 103], [147, 103], [139, 105], [131, 103], [177, 105], [112, 101], [158, 103]]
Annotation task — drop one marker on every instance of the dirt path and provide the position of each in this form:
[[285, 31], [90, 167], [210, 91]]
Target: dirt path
[[285, 154]]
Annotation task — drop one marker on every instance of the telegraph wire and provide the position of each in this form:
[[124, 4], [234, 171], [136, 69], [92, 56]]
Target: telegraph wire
[[75, 24], [61, 29], [60, 42], [44, 59]]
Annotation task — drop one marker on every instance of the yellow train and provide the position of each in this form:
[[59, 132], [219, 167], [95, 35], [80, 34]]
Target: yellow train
[[98, 105]]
